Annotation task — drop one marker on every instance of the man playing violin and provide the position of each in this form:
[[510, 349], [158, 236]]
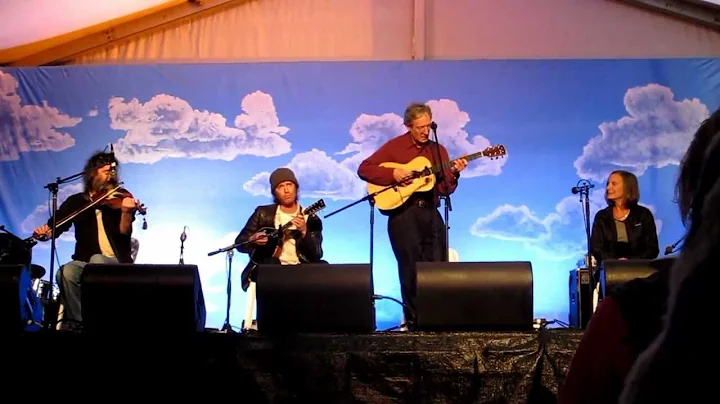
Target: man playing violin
[[302, 243], [102, 232]]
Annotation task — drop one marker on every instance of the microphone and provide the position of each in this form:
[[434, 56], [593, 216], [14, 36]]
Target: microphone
[[433, 125], [183, 237], [671, 248], [575, 190], [113, 165]]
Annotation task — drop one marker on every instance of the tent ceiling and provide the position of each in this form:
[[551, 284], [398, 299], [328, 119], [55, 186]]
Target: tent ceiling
[[44, 31], [703, 12], [37, 20], [59, 48]]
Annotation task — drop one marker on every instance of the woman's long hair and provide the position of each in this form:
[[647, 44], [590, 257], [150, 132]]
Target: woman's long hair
[[692, 165], [667, 368]]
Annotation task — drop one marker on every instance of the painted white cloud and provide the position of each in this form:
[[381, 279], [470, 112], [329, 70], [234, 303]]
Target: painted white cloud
[[29, 128], [369, 132], [656, 132], [323, 176], [169, 127], [558, 235], [451, 134], [319, 175], [92, 112], [41, 214]]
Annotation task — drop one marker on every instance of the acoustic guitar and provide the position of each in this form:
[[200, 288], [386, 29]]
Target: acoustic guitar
[[423, 178]]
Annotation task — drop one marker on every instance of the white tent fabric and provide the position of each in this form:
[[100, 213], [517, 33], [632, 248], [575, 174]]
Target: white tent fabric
[[52, 18], [293, 30]]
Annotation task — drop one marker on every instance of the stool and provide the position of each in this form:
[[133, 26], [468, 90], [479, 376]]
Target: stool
[[249, 323]]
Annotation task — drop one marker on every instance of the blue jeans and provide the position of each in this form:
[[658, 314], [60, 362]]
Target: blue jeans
[[69, 279]]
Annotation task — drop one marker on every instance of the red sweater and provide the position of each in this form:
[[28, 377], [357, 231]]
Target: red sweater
[[402, 150], [602, 359]]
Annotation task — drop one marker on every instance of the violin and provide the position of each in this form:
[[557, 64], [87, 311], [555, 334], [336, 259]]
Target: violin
[[112, 198]]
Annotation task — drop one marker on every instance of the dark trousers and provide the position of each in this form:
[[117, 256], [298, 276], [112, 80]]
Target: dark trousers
[[69, 278], [417, 234]]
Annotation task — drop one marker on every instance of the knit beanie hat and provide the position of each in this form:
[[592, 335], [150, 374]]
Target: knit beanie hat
[[280, 175]]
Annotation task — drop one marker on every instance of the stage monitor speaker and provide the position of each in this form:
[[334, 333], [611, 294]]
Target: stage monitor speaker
[[315, 298], [616, 272], [145, 298], [14, 251], [14, 286], [581, 298], [474, 296]]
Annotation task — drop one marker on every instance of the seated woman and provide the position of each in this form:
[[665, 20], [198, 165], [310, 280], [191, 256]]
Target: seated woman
[[623, 230], [640, 341]]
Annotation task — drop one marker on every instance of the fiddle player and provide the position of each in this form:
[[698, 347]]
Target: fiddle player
[[102, 232], [303, 243]]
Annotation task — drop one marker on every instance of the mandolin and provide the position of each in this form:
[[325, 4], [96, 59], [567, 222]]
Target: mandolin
[[423, 178], [278, 236]]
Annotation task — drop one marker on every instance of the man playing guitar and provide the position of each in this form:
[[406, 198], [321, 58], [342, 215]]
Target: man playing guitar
[[416, 228], [300, 238]]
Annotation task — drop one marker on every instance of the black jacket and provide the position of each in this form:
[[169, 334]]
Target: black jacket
[[86, 229], [641, 232], [309, 248]]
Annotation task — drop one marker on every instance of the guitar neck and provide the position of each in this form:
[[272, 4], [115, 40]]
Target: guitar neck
[[445, 165]]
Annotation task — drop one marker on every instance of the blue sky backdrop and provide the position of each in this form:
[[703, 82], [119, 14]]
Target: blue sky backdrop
[[197, 144]]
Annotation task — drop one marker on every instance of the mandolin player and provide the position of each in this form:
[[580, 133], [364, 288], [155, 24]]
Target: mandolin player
[[102, 232], [415, 229], [300, 241]]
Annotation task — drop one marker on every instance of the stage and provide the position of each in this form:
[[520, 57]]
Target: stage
[[389, 367]]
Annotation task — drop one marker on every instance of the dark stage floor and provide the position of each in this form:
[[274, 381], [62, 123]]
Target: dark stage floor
[[493, 367]]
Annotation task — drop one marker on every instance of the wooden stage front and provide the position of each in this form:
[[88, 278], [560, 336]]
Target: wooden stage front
[[390, 367]]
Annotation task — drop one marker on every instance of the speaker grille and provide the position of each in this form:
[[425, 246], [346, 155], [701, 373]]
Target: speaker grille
[[465, 296]]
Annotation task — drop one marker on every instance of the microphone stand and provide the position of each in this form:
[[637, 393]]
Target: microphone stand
[[54, 187], [183, 237], [671, 248], [371, 199], [226, 326], [229, 250], [584, 191], [446, 198]]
